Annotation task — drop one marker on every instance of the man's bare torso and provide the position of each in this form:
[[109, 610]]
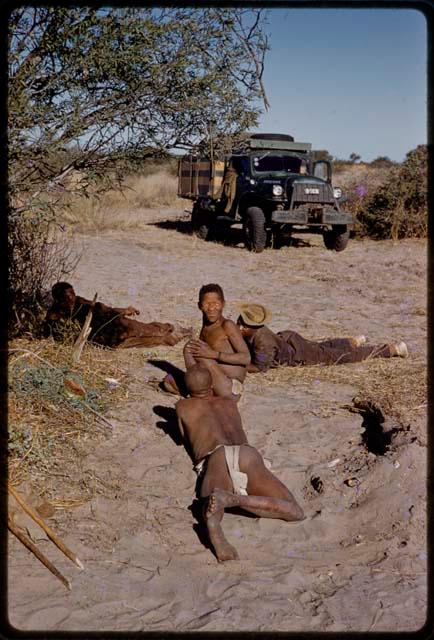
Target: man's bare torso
[[216, 338], [208, 422]]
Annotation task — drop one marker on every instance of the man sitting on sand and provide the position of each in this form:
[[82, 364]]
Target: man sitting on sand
[[233, 473], [109, 326], [221, 348], [269, 349]]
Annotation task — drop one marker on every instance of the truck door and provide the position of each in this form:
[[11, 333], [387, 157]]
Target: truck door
[[322, 169]]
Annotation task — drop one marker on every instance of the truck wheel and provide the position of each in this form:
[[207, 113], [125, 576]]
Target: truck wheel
[[200, 223], [254, 229], [337, 238]]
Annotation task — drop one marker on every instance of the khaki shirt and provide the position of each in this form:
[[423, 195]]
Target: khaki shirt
[[269, 349]]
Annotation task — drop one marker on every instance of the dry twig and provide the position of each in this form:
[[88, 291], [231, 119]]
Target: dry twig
[[84, 334], [34, 549], [50, 533]]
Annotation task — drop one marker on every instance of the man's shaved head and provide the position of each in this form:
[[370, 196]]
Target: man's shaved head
[[198, 379]]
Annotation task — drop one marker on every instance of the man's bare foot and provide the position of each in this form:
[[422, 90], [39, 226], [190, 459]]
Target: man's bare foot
[[218, 501], [168, 383], [225, 551]]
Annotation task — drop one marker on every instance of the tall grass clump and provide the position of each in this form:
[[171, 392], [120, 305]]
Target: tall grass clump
[[123, 208], [55, 406]]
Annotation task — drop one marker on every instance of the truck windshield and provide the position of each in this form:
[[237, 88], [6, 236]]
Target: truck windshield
[[272, 163]]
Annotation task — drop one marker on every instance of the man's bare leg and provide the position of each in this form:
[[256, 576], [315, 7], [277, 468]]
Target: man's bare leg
[[169, 383], [216, 475], [262, 506], [213, 517], [267, 496]]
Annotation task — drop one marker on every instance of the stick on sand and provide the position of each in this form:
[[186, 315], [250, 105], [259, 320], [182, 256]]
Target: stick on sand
[[50, 533], [84, 334], [34, 549]]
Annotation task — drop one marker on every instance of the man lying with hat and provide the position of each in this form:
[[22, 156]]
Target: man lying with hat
[[269, 349]]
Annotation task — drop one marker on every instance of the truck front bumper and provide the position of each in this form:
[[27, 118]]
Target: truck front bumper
[[327, 217]]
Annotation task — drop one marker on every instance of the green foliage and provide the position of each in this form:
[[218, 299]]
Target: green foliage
[[38, 385], [98, 84], [398, 208], [93, 90]]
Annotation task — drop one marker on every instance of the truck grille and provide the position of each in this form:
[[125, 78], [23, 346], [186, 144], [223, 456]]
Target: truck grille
[[312, 192]]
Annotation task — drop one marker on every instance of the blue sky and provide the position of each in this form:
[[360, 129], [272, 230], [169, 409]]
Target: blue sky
[[348, 80]]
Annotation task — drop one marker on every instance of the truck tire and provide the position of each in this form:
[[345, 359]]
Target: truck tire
[[200, 223], [254, 229], [272, 136], [337, 238]]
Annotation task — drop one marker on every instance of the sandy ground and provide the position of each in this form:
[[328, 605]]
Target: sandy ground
[[358, 561]]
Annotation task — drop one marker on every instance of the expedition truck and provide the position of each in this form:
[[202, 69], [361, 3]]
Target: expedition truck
[[272, 186]]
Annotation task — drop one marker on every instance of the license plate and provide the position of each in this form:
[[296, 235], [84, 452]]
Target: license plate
[[311, 191]]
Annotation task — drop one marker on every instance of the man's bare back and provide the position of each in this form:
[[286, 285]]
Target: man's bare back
[[234, 472], [208, 422]]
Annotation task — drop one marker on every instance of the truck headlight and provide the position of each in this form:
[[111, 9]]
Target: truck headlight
[[277, 190], [337, 192]]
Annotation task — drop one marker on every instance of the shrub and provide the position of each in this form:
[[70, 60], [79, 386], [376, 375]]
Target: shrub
[[39, 254], [398, 208]]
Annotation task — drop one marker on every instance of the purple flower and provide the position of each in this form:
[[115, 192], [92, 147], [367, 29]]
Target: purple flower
[[361, 190]]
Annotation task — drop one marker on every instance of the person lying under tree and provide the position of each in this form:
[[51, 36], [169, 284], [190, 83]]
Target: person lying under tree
[[109, 326], [220, 348], [232, 472], [269, 349]]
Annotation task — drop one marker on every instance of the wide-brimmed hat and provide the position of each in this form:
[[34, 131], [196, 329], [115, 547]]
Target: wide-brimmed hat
[[254, 315]]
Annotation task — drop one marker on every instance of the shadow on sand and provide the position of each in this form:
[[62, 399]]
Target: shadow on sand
[[229, 236]]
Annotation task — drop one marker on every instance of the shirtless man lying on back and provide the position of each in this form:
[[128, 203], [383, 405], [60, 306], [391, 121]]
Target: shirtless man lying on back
[[221, 347], [233, 472]]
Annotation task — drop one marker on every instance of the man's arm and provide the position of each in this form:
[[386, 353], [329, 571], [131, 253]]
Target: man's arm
[[104, 308], [178, 408], [252, 368], [264, 353], [127, 311], [200, 349], [235, 337]]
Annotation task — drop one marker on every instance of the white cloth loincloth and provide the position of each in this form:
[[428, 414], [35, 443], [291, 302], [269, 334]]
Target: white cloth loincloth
[[237, 387], [232, 454]]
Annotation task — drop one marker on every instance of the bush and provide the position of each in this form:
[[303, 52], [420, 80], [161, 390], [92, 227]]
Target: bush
[[39, 255], [398, 208]]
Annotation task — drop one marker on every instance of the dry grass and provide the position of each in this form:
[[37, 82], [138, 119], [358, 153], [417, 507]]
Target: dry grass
[[352, 175], [124, 208], [398, 386], [50, 425]]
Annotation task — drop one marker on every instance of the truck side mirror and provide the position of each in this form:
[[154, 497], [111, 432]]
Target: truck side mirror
[[322, 169]]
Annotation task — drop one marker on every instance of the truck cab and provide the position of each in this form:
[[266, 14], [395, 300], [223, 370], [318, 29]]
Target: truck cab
[[271, 185]]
